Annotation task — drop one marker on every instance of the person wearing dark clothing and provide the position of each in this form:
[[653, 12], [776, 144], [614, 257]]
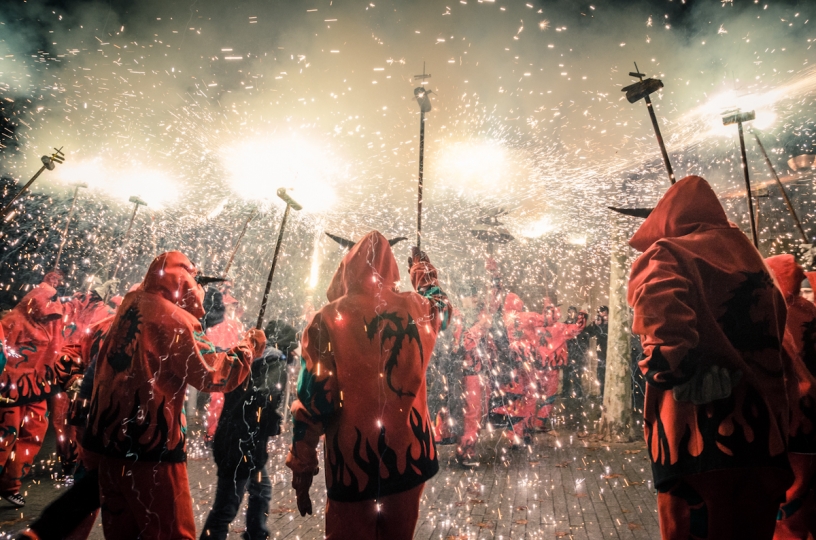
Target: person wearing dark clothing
[[250, 416], [599, 329], [577, 348]]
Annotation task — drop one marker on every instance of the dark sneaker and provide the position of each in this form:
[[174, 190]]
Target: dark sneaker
[[16, 499]]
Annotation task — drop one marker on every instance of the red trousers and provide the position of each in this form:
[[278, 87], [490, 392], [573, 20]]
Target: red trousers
[[67, 447], [145, 501], [21, 435], [797, 516], [214, 408], [393, 517], [731, 504]]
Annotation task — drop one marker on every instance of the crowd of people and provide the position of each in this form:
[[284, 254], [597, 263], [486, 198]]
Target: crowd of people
[[726, 346]]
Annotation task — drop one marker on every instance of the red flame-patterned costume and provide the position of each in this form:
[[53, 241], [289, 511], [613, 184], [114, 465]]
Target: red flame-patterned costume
[[155, 347], [362, 384], [797, 516], [703, 298], [33, 339]]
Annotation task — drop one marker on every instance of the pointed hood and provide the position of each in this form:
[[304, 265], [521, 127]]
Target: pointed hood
[[41, 304], [788, 275], [368, 267], [688, 206], [172, 276], [512, 302]]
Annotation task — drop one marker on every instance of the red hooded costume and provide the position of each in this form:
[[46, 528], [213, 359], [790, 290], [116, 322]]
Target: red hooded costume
[[797, 516], [33, 341], [155, 347], [703, 297], [32, 331], [362, 378]]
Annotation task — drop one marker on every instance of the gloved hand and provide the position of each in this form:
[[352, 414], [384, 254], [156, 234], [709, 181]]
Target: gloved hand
[[107, 289], [709, 383], [417, 256], [258, 341], [301, 484]]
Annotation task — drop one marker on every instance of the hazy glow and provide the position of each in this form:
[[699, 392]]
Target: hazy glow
[[472, 167], [155, 187], [763, 104], [257, 167], [577, 239], [314, 271], [538, 228]]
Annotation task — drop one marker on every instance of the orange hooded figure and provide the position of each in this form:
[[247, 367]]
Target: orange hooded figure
[[362, 384], [797, 516], [154, 348], [32, 341], [716, 411]]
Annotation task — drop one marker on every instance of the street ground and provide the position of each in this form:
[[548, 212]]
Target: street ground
[[564, 486]]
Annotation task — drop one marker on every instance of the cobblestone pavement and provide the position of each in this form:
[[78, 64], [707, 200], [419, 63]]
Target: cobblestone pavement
[[563, 486]]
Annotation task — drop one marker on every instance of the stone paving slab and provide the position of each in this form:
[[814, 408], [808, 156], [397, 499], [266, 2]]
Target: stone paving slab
[[561, 487]]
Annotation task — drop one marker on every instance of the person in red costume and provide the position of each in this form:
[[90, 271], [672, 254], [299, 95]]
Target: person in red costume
[[155, 347], [82, 310], [797, 516], [716, 413], [362, 384], [520, 391], [551, 356], [33, 339], [223, 335]]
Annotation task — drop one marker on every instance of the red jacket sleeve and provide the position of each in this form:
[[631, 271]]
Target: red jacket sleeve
[[318, 397], [663, 302], [425, 281], [194, 358]]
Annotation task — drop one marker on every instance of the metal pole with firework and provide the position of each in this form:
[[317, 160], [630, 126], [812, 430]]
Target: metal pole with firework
[[290, 203], [137, 202], [737, 117], [238, 242], [782, 189], [424, 100], [77, 187], [48, 163], [642, 90]]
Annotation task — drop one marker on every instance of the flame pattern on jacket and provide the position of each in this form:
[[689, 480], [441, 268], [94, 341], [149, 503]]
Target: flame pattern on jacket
[[33, 339], [154, 348], [702, 296], [362, 378]]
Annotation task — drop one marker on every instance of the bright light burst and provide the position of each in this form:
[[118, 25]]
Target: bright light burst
[[257, 167], [477, 168], [154, 187], [540, 227]]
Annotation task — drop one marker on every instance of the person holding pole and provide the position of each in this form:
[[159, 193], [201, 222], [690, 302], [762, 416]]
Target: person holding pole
[[155, 347], [362, 384], [716, 409]]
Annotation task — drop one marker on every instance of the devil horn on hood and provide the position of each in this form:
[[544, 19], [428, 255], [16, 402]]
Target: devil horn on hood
[[634, 212], [396, 240], [348, 244]]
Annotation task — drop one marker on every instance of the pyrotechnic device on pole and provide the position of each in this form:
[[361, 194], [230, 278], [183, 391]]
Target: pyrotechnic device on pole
[[290, 204], [77, 187], [423, 98], [492, 231], [737, 117], [642, 90], [238, 242], [783, 190], [137, 202], [48, 163]]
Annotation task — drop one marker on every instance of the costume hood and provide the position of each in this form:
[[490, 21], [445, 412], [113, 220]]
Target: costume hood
[[41, 304], [368, 267], [788, 274], [512, 302], [688, 206], [172, 276]]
